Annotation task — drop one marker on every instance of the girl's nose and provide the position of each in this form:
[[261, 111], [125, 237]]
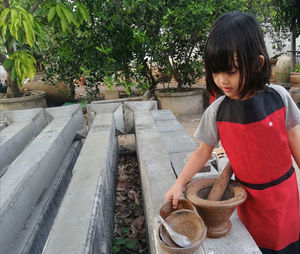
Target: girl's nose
[[223, 78]]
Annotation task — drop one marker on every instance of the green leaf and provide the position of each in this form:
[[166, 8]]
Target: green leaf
[[4, 16], [63, 21], [7, 64], [84, 12], [125, 230], [119, 241], [4, 30], [131, 244], [51, 14], [29, 33], [116, 249], [67, 14]]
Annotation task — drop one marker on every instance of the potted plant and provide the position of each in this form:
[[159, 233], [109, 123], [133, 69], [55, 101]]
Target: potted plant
[[168, 43], [22, 26], [295, 77]]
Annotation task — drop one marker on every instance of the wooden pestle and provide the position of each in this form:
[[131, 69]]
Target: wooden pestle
[[221, 184]]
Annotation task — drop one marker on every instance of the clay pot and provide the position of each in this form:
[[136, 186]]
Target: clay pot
[[185, 222], [295, 94], [216, 214], [56, 94], [295, 79]]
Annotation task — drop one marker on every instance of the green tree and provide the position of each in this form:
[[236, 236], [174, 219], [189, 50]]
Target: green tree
[[23, 25], [287, 16]]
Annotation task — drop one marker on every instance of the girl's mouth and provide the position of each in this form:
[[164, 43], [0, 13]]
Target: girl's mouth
[[227, 89]]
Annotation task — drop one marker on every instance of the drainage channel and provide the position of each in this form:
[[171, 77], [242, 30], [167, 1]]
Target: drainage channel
[[130, 234]]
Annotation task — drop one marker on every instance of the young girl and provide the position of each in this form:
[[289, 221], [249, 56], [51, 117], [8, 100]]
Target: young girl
[[256, 124]]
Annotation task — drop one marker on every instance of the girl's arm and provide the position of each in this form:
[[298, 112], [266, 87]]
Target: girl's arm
[[194, 164], [294, 143]]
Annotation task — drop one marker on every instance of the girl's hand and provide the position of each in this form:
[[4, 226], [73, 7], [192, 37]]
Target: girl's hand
[[174, 194], [194, 164]]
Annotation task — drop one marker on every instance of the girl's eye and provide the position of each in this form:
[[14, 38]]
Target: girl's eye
[[232, 72]]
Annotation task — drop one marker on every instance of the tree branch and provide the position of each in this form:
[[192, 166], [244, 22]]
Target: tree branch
[[35, 6], [6, 4], [2, 59]]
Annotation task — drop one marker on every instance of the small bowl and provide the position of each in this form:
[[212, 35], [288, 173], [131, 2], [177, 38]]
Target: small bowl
[[167, 207], [185, 222]]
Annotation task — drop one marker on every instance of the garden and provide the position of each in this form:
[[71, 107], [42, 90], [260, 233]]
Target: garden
[[135, 47], [133, 44]]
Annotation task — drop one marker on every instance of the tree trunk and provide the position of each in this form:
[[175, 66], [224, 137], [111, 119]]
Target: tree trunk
[[12, 87], [293, 48]]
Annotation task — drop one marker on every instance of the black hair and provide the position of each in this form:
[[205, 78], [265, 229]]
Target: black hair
[[237, 33]]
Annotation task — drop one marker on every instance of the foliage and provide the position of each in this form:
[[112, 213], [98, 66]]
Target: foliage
[[23, 25], [118, 243], [297, 68], [284, 77], [118, 42], [286, 19], [127, 41], [287, 15]]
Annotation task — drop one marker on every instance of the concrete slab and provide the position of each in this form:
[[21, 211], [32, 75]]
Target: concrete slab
[[32, 172], [130, 107], [237, 241], [178, 141], [84, 223], [115, 108], [163, 115], [168, 126], [156, 172], [19, 128], [32, 238]]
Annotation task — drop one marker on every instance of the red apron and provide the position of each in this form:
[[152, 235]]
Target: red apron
[[254, 136]]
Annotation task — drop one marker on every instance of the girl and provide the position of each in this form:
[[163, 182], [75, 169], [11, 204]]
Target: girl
[[256, 124]]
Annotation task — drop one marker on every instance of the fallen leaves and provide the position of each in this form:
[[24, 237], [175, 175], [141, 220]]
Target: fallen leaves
[[130, 231]]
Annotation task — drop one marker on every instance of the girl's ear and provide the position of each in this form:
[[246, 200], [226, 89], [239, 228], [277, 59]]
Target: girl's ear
[[262, 61]]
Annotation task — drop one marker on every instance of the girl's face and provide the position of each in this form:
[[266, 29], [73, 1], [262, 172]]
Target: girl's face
[[229, 81]]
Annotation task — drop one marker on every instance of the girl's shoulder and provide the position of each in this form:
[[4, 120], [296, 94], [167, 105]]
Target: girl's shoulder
[[279, 89], [292, 111], [216, 104]]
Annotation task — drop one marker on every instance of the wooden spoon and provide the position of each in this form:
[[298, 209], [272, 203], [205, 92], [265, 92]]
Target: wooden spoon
[[218, 189]]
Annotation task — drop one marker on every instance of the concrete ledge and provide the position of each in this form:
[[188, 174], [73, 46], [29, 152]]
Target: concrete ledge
[[18, 129], [114, 108], [129, 109], [33, 171], [85, 220], [155, 169], [35, 232]]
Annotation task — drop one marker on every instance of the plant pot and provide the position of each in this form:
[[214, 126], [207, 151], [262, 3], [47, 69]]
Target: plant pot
[[295, 94], [182, 102], [216, 214], [36, 100], [295, 79], [56, 94]]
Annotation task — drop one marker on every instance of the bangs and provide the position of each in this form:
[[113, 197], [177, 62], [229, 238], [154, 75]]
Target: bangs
[[220, 54]]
